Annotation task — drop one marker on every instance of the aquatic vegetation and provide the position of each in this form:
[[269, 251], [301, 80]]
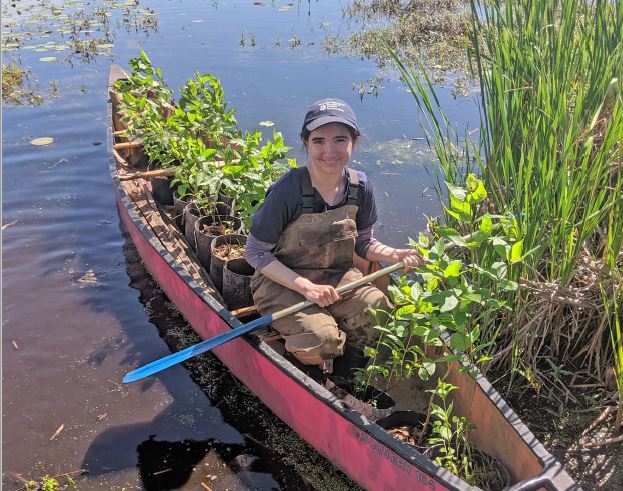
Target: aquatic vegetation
[[69, 31], [550, 148], [17, 86], [59, 482], [422, 31], [78, 28]]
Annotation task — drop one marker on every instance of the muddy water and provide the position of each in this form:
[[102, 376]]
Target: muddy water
[[79, 310]]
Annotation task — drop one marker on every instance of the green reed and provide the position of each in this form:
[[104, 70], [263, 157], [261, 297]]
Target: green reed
[[550, 148]]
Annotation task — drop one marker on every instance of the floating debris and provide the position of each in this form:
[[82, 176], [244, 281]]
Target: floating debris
[[267, 123], [88, 278], [44, 140], [57, 432], [7, 225]]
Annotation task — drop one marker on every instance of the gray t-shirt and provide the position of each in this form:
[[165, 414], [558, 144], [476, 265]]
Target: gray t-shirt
[[284, 204]]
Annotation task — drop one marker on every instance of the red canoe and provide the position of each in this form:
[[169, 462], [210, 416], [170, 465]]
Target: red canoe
[[358, 446]]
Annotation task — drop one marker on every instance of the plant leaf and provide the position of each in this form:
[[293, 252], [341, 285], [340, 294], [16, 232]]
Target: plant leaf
[[516, 249], [452, 269], [449, 304]]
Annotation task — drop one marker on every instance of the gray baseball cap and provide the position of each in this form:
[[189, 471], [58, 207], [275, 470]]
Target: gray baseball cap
[[327, 111]]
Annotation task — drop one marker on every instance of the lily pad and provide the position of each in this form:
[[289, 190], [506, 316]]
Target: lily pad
[[44, 140], [47, 58], [267, 123]]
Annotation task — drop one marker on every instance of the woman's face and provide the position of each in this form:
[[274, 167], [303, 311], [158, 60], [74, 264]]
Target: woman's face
[[330, 148]]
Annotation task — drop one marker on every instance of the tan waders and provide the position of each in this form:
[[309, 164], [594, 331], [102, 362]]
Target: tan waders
[[320, 247]]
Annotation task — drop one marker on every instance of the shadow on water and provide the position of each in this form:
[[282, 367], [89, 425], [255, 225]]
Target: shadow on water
[[231, 442]]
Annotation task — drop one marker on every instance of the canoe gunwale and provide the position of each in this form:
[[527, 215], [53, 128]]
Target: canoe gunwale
[[551, 467]]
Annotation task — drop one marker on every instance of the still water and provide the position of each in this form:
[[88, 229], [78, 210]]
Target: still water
[[79, 309]]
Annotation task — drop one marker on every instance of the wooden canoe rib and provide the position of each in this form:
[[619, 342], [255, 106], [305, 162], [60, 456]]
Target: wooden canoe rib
[[356, 445]]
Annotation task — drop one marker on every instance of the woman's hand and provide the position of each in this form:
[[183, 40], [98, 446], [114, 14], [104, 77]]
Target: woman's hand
[[409, 257], [322, 295]]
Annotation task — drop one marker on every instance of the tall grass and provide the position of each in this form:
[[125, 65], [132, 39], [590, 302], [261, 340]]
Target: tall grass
[[550, 148]]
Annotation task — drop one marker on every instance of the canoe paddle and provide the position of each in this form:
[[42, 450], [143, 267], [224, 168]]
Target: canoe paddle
[[208, 344]]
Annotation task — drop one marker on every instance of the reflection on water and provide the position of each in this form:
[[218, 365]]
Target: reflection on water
[[76, 324]]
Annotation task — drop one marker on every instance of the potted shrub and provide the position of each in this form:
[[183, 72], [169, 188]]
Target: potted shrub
[[225, 248], [207, 228], [248, 177], [143, 96], [196, 178]]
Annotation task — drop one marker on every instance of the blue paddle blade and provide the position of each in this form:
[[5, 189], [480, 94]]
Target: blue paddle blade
[[194, 350]]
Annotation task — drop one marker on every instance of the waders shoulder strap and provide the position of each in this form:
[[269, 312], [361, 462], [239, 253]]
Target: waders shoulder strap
[[353, 187], [308, 191]]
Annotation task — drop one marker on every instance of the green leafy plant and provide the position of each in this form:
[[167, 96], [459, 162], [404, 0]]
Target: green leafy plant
[[449, 434], [440, 316], [197, 176], [145, 80], [203, 111], [51, 483], [248, 177], [454, 300]]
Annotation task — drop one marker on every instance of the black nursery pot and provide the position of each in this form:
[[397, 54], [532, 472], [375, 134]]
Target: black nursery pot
[[217, 264], [161, 188], [138, 158], [237, 283], [402, 418], [225, 204], [204, 238], [192, 213], [343, 388], [179, 203]]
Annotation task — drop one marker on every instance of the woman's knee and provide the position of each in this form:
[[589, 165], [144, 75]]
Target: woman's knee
[[312, 338]]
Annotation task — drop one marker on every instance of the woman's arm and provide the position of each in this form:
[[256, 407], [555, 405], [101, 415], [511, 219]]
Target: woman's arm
[[322, 295], [258, 254], [381, 252]]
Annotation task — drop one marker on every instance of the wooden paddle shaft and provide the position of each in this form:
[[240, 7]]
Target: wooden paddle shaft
[[147, 174], [349, 286], [132, 144]]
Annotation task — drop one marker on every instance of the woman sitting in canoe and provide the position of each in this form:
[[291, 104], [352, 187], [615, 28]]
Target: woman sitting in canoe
[[303, 238]]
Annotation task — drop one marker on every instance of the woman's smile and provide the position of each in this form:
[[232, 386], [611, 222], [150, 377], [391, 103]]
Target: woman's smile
[[330, 147]]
